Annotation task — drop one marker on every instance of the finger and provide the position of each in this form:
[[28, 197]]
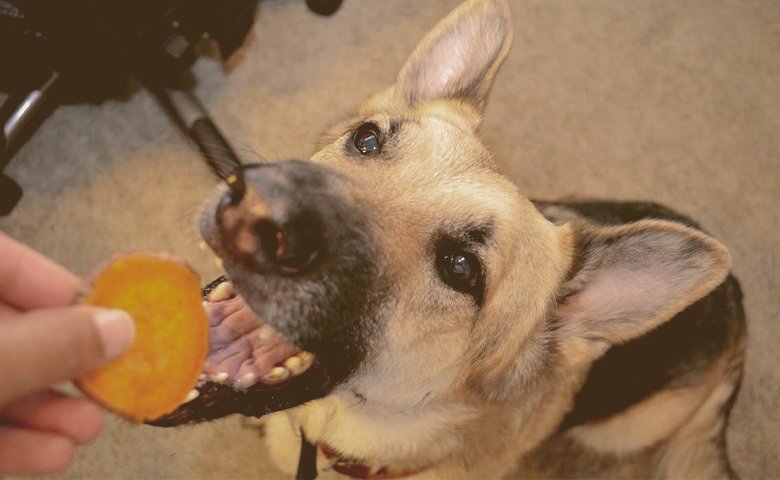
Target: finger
[[31, 452], [43, 347], [75, 418], [30, 280], [7, 311]]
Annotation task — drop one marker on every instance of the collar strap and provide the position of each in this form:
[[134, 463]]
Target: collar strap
[[354, 469], [307, 461]]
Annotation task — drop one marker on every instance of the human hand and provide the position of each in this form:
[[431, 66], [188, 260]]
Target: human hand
[[44, 340]]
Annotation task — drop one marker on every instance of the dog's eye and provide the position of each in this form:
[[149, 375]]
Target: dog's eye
[[461, 271], [366, 139]]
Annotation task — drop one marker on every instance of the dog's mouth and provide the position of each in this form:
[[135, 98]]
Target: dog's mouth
[[245, 351], [250, 369], [299, 257]]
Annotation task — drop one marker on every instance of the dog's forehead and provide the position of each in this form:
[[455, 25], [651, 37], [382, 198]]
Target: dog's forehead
[[433, 178], [427, 156], [440, 145]]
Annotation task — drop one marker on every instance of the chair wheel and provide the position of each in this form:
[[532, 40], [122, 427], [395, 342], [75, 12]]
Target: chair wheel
[[10, 194], [324, 7]]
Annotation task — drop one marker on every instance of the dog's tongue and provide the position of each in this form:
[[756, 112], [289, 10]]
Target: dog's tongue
[[249, 370]]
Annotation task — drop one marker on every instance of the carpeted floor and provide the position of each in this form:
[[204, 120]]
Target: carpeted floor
[[677, 102]]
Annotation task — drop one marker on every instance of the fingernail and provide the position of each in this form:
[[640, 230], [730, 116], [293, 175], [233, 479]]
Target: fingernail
[[116, 330]]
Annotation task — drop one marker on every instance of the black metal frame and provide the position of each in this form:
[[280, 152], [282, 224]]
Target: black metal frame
[[89, 50]]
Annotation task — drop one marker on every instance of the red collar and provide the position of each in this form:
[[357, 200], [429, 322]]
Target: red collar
[[354, 469]]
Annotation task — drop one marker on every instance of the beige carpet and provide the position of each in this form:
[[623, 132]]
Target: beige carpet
[[675, 101]]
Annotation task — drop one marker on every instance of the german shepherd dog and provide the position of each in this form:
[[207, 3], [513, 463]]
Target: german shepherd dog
[[415, 316]]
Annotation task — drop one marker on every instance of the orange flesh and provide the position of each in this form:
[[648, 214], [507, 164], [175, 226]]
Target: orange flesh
[[156, 373]]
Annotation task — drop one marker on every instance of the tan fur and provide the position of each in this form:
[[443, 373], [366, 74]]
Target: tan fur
[[651, 421], [473, 396]]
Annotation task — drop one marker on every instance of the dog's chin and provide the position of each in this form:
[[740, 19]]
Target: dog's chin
[[250, 369]]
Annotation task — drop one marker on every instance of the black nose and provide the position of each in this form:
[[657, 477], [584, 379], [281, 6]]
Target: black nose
[[265, 222]]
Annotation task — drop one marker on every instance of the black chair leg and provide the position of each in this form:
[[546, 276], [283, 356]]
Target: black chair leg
[[10, 194]]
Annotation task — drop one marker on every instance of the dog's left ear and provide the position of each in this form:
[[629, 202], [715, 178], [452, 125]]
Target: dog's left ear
[[627, 280], [623, 281], [460, 57]]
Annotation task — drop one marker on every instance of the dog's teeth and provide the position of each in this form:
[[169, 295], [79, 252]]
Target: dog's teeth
[[203, 245], [219, 377], [192, 395], [276, 374], [307, 359], [223, 291], [266, 332], [295, 365], [247, 380], [202, 377]]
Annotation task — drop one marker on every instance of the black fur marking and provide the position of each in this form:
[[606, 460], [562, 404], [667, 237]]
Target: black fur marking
[[361, 399], [618, 213], [395, 125], [480, 235], [470, 234], [671, 355]]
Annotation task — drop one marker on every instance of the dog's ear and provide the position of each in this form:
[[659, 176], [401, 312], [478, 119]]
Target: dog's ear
[[623, 281], [460, 57], [627, 280]]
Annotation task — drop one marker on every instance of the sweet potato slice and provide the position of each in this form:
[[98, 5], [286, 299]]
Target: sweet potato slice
[[162, 365]]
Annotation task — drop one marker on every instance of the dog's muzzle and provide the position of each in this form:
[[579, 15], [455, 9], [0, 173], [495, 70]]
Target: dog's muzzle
[[292, 320]]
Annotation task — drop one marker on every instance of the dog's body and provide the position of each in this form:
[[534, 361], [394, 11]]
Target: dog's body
[[468, 332]]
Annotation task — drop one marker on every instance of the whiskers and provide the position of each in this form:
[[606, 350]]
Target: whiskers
[[224, 160]]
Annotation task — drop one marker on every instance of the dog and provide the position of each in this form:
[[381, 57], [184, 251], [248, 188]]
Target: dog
[[408, 313]]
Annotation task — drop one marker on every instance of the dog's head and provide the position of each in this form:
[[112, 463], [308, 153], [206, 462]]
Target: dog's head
[[415, 272]]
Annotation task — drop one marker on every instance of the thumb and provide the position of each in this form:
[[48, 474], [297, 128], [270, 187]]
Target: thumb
[[42, 347]]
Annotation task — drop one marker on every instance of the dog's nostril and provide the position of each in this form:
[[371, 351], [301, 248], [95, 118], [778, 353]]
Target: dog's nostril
[[271, 238], [292, 247]]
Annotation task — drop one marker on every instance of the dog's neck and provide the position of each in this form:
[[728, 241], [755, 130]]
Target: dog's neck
[[495, 445]]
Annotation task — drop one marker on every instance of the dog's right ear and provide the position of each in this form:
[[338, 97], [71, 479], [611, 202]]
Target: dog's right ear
[[460, 57]]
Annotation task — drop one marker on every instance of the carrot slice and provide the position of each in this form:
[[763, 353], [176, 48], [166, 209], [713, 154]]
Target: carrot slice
[[162, 365]]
